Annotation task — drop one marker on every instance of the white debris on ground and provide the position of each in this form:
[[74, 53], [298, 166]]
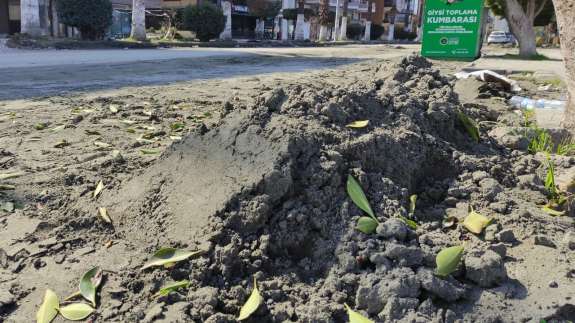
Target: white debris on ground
[[490, 76], [3, 47]]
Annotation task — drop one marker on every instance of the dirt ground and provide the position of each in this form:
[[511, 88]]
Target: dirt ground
[[59, 137]]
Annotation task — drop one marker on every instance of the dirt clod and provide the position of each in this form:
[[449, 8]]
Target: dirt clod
[[260, 189]]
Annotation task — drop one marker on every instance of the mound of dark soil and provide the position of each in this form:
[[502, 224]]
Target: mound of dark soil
[[263, 194]]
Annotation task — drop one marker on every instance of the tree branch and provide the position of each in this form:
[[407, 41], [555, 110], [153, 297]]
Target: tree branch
[[540, 9], [530, 10]]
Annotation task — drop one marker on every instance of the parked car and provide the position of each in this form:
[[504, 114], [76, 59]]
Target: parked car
[[501, 37]]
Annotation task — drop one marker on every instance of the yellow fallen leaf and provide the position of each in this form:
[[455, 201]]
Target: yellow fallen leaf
[[104, 214], [251, 304], [355, 317], [76, 311], [98, 189], [49, 308], [358, 124], [102, 144], [5, 176], [475, 222], [113, 108], [63, 143], [552, 212], [58, 128]]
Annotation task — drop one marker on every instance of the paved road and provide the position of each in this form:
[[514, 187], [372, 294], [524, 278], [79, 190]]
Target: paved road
[[37, 58], [32, 73]]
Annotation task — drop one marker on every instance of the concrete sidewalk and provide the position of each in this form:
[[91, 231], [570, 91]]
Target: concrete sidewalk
[[493, 59]]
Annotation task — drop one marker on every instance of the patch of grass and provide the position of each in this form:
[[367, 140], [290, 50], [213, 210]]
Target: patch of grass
[[566, 147], [541, 142], [528, 77], [559, 201], [469, 125], [550, 185], [131, 40], [529, 120], [557, 82]]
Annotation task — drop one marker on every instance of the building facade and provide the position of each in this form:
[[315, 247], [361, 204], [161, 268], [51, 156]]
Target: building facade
[[39, 17], [402, 15]]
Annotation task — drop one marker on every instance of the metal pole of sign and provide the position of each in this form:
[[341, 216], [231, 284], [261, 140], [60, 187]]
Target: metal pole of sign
[[336, 26]]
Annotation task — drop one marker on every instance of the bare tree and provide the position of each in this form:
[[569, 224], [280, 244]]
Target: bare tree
[[138, 20], [520, 14], [565, 12]]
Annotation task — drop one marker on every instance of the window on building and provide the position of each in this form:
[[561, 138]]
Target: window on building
[[14, 9]]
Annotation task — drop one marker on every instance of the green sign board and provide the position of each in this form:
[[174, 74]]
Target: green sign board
[[452, 29]]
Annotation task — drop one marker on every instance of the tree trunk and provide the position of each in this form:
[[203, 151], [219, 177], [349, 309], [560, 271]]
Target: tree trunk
[[30, 17], [367, 34], [226, 34], [565, 11], [138, 20], [323, 19], [343, 27], [335, 32], [322, 33], [392, 18], [521, 21], [300, 20]]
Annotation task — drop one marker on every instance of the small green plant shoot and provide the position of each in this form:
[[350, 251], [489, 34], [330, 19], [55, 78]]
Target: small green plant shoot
[[528, 118], [412, 203], [550, 180], [547, 209], [541, 142], [365, 224], [557, 199], [469, 126], [566, 147], [172, 288], [410, 223]]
